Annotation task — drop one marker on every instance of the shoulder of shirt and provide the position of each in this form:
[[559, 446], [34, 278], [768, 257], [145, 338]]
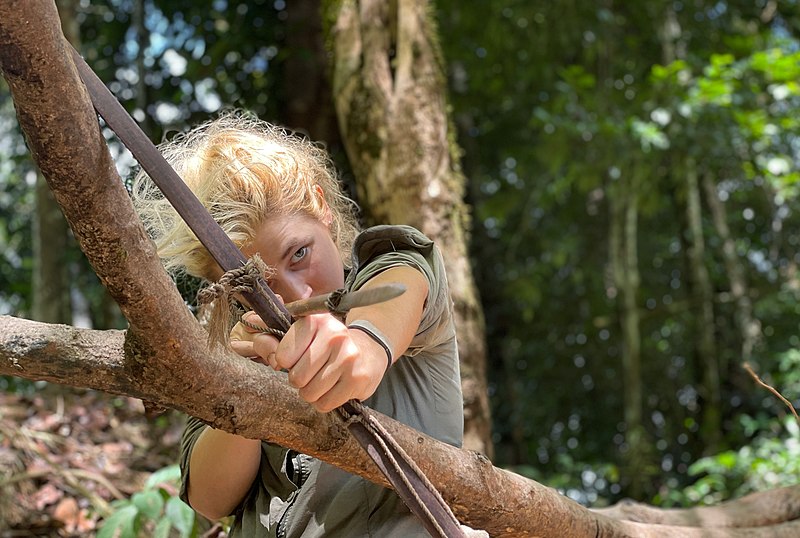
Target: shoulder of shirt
[[390, 237]]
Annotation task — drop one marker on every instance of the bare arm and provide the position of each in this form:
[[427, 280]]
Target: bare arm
[[331, 364], [222, 469], [399, 318]]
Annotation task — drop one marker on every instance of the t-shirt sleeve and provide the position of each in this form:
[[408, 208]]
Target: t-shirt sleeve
[[194, 427], [383, 247]]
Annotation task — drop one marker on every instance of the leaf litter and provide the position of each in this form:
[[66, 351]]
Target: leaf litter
[[66, 454]]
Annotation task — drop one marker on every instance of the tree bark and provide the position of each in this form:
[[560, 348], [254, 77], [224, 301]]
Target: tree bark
[[305, 82], [51, 289], [703, 302], [163, 357], [749, 327], [701, 292], [755, 510], [51, 293], [389, 91], [624, 261], [245, 398]]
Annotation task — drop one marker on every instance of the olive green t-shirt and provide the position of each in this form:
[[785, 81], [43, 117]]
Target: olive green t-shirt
[[298, 496]]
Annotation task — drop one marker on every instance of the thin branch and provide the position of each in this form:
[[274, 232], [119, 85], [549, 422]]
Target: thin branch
[[758, 380]]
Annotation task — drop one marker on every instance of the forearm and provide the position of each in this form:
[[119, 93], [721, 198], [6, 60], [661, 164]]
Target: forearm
[[222, 469], [399, 318]]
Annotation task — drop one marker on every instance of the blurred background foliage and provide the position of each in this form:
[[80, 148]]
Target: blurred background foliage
[[633, 175]]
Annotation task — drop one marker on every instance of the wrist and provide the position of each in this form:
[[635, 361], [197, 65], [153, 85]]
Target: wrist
[[375, 335]]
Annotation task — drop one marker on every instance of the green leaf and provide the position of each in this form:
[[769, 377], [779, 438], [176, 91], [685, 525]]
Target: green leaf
[[181, 516], [169, 474], [149, 502], [721, 60], [162, 529], [728, 459], [120, 524]]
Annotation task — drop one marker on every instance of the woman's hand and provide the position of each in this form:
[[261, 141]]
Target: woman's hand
[[328, 363], [331, 364], [241, 340]]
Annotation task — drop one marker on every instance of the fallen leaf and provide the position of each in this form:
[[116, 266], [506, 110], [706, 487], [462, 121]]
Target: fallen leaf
[[68, 513], [46, 495]]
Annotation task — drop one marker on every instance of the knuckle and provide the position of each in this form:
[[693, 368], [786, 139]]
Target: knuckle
[[306, 394], [293, 378], [281, 362], [350, 356]]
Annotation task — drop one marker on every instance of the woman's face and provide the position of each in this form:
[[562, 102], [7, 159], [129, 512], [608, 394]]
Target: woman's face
[[301, 251]]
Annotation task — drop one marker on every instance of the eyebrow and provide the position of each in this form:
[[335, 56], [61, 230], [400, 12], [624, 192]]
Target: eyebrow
[[293, 245]]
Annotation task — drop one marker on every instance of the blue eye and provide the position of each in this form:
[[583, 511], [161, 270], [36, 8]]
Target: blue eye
[[300, 254]]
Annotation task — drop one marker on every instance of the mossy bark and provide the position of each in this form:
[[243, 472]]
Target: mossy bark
[[163, 357], [390, 95]]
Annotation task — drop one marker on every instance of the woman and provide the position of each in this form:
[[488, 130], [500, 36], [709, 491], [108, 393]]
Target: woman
[[277, 195]]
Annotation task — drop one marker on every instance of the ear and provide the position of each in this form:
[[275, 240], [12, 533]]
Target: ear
[[327, 218]]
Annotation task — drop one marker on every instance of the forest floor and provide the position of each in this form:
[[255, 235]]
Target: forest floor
[[66, 454]]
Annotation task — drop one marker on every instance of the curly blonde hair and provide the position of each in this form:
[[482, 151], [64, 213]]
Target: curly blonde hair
[[243, 170]]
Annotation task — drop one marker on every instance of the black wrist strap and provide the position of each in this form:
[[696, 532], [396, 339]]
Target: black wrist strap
[[369, 330]]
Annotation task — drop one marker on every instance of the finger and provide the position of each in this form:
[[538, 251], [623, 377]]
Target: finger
[[320, 355], [260, 360], [243, 348], [241, 332], [296, 341], [336, 396], [270, 361], [264, 345], [252, 319], [321, 384]]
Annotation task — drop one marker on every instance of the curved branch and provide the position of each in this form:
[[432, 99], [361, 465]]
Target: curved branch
[[163, 357], [754, 510], [249, 399]]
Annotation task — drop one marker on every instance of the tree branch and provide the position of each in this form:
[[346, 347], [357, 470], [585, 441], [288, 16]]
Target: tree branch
[[163, 358]]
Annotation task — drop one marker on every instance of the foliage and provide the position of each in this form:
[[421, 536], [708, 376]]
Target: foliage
[[558, 106], [586, 483], [770, 460], [16, 210], [154, 511]]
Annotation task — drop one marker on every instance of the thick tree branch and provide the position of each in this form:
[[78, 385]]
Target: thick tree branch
[[248, 399], [163, 357], [758, 509], [390, 96]]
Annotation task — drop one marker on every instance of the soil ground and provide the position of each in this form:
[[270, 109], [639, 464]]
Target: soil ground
[[65, 454]]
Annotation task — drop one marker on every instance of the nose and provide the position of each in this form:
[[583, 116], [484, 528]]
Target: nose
[[291, 286]]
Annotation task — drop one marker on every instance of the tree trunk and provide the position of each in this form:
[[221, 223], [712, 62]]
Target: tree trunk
[[703, 302], [623, 255], [389, 91], [51, 295], [51, 289], [163, 357], [749, 327], [701, 293], [305, 81]]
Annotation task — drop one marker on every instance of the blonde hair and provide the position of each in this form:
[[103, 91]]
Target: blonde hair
[[243, 171]]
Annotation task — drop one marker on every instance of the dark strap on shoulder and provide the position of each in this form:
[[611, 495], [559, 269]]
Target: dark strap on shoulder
[[407, 480]]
